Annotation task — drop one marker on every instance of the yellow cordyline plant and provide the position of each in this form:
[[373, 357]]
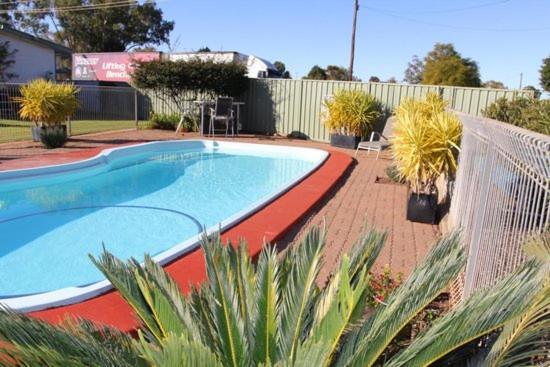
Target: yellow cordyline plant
[[426, 141], [46, 103], [351, 112]]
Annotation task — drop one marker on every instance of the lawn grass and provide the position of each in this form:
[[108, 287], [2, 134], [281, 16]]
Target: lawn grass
[[13, 130]]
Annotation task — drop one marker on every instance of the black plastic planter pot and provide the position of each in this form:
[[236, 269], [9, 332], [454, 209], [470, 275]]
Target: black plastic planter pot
[[344, 141], [37, 131], [53, 136], [422, 208]]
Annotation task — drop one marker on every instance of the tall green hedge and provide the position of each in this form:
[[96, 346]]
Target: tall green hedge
[[177, 80], [528, 113]]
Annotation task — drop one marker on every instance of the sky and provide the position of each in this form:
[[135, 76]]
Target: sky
[[505, 37]]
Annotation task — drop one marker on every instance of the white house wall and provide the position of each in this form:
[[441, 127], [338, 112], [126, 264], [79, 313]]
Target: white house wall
[[31, 61]]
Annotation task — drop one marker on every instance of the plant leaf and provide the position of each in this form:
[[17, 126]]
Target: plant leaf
[[442, 265], [299, 292], [480, 314], [31, 342], [266, 323]]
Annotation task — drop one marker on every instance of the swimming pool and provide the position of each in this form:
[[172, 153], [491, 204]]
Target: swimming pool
[[155, 198]]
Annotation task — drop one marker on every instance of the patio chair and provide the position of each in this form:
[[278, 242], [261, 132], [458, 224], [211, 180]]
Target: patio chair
[[378, 141], [222, 111]]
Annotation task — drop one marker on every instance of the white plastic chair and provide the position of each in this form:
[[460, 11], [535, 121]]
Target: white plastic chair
[[378, 141]]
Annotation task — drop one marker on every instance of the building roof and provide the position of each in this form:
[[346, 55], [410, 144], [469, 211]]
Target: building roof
[[5, 28]]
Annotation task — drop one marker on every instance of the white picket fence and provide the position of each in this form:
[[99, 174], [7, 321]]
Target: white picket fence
[[501, 196]]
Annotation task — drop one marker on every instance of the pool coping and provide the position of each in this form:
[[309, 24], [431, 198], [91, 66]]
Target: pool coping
[[267, 225]]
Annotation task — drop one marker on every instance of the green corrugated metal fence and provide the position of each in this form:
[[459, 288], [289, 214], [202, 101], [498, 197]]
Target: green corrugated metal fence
[[293, 106], [287, 106]]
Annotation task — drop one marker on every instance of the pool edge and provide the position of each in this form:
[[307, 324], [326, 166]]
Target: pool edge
[[269, 223]]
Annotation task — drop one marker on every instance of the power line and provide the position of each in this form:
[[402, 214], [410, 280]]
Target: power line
[[67, 9], [442, 11], [482, 29]]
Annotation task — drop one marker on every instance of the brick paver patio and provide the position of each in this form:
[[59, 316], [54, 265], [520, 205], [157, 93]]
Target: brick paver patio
[[357, 200]]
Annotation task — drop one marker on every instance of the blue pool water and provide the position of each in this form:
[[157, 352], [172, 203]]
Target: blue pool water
[[146, 202]]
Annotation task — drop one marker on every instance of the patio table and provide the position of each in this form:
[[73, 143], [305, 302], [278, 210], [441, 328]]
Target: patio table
[[203, 104]]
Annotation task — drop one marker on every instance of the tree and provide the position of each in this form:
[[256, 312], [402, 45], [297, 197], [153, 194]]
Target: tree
[[6, 61], [494, 84], [112, 29], [414, 71], [374, 79], [273, 312], [100, 29], [391, 80], [177, 81], [16, 15], [316, 73], [281, 68], [204, 49], [445, 66], [145, 49], [335, 72], [332, 72], [545, 74]]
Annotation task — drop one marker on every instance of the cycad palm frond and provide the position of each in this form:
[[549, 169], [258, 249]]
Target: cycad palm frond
[[367, 343], [299, 292], [267, 320], [272, 313], [341, 305], [74, 343], [152, 294], [178, 350], [480, 314], [225, 310], [527, 337]]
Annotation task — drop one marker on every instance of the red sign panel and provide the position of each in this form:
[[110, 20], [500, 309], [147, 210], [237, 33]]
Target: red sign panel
[[108, 66]]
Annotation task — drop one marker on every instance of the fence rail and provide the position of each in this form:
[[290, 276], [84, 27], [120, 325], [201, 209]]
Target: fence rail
[[501, 196]]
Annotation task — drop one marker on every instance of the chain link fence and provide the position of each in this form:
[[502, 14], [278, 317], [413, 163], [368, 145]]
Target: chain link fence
[[501, 197], [100, 109]]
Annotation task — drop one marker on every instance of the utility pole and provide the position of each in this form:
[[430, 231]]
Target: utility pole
[[352, 55], [520, 80]]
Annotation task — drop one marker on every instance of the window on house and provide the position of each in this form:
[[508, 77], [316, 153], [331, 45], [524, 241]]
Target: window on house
[[62, 67]]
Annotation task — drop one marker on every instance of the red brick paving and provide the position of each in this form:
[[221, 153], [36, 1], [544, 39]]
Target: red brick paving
[[356, 200]]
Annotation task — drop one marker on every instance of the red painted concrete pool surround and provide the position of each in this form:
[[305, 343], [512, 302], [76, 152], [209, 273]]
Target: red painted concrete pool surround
[[265, 226]]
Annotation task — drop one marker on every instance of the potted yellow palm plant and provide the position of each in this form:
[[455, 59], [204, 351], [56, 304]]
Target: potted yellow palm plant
[[350, 115], [48, 106], [425, 146]]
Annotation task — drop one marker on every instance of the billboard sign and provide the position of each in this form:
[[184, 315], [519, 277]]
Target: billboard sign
[[108, 66]]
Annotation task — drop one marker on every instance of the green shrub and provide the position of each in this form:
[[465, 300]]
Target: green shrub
[[53, 136], [164, 121], [351, 112], [528, 113], [191, 122], [46, 103], [170, 121]]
